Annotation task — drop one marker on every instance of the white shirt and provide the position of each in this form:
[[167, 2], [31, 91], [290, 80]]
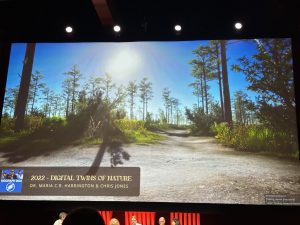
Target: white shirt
[[58, 222]]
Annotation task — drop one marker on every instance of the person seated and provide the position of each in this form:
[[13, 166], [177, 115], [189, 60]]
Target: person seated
[[175, 221], [61, 217], [84, 216], [134, 221], [161, 221], [114, 221]]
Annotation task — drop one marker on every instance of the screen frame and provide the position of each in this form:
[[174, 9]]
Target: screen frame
[[243, 209]]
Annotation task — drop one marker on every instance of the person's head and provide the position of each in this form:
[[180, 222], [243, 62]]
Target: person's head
[[161, 221], [12, 172], [84, 216], [114, 221], [133, 220], [175, 221], [62, 215]]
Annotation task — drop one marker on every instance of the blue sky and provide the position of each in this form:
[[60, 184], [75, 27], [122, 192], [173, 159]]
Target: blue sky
[[165, 64]]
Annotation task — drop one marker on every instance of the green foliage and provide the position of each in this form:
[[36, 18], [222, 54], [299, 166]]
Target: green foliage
[[145, 88], [52, 124], [7, 137], [33, 123], [125, 124], [202, 122], [7, 124], [134, 132], [270, 74], [131, 89], [244, 108], [254, 138], [71, 85]]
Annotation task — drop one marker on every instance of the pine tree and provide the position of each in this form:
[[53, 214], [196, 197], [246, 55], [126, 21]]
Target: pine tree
[[270, 74], [24, 87], [73, 76], [132, 89], [227, 102], [35, 87], [145, 88], [166, 97]]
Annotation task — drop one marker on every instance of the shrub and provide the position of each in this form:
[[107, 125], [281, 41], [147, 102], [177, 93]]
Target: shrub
[[254, 138], [7, 124], [126, 124], [53, 123], [201, 122], [134, 131]]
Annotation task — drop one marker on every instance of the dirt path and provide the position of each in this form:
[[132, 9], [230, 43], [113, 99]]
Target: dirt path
[[189, 169]]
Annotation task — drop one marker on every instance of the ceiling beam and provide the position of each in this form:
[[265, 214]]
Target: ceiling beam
[[103, 12]]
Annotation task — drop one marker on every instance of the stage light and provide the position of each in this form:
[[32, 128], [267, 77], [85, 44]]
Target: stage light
[[69, 29], [238, 25], [177, 27], [117, 28]]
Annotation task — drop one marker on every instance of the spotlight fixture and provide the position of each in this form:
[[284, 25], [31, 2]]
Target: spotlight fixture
[[238, 25], [177, 27], [69, 29], [117, 28]]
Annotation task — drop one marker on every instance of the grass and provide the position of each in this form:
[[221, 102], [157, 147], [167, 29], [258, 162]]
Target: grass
[[257, 139], [142, 137], [10, 137], [289, 155], [129, 136], [131, 131], [135, 132]]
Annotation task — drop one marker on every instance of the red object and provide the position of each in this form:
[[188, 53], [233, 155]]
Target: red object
[[144, 218], [186, 218], [106, 215]]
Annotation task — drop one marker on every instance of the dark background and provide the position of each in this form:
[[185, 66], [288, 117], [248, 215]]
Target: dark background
[[145, 20]]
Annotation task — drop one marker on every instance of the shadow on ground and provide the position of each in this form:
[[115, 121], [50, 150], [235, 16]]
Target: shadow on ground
[[37, 144], [117, 155]]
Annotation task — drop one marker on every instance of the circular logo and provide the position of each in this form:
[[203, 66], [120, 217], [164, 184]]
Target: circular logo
[[10, 187]]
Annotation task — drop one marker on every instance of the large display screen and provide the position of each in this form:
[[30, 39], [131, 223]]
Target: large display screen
[[181, 121]]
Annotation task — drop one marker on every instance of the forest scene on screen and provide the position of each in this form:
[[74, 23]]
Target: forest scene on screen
[[206, 121]]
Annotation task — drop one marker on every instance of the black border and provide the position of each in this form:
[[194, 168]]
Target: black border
[[44, 212]]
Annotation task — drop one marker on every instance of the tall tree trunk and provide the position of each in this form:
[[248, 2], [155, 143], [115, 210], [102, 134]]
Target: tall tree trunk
[[168, 118], [33, 98], [24, 87], [73, 97], [198, 100], [202, 93], [167, 112], [146, 103], [67, 109], [143, 109], [220, 81], [227, 103], [131, 107], [171, 113], [205, 92]]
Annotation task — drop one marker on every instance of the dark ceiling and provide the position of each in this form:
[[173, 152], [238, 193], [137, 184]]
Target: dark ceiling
[[28, 20]]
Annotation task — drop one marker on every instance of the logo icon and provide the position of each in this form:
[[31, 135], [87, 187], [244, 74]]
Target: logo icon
[[10, 187], [11, 180]]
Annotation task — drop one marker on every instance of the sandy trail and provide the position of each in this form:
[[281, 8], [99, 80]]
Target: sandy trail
[[185, 169]]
